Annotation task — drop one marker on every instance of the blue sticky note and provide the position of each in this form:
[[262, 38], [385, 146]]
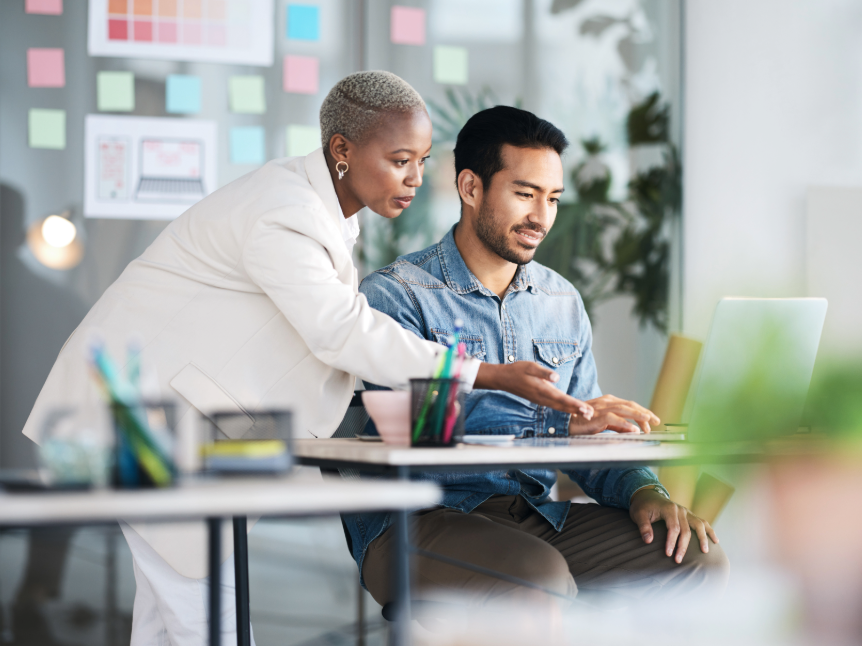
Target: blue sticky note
[[247, 145], [183, 94], [303, 22]]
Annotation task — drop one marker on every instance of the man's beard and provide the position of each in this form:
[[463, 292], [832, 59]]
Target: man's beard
[[497, 240]]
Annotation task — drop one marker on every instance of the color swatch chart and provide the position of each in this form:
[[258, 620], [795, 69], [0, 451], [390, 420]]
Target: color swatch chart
[[191, 22], [228, 31]]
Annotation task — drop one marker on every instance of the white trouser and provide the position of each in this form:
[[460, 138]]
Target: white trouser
[[173, 610]]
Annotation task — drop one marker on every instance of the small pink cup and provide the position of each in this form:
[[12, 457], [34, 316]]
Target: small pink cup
[[390, 410]]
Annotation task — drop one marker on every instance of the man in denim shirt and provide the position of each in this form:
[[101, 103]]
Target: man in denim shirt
[[510, 177]]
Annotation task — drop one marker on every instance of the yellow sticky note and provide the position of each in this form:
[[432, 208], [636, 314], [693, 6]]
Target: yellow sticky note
[[302, 140], [450, 65], [47, 129], [115, 91], [247, 94]]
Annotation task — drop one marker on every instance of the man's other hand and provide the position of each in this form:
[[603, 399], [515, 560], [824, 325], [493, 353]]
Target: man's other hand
[[649, 506], [613, 413], [532, 382]]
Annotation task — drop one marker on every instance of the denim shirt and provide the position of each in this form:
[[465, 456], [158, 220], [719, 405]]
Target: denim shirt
[[540, 318]]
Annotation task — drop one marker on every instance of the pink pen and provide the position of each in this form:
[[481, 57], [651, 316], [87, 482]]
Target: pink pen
[[451, 412]]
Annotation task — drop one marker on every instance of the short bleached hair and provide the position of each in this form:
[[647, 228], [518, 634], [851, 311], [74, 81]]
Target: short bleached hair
[[358, 103]]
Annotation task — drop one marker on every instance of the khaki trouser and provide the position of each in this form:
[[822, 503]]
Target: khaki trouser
[[599, 554]]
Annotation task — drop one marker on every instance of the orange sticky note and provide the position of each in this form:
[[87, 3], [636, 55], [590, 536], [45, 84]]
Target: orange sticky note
[[46, 68], [301, 74], [407, 26], [49, 7]]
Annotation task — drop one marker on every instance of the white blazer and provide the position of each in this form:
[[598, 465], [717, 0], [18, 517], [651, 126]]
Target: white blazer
[[247, 301]]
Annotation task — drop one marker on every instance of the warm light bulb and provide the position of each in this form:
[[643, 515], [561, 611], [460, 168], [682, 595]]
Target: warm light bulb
[[58, 232]]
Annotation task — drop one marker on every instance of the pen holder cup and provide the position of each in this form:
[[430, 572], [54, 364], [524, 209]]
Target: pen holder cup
[[144, 437], [240, 444], [436, 412]]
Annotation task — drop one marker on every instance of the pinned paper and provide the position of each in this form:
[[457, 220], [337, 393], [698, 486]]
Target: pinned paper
[[46, 67], [183, 94], [247, 145], [303, 22], [301, 74], [47, 128], [450, 65], [407, 26], [48, 7], [247, 94], [115, 91], [302, 140]]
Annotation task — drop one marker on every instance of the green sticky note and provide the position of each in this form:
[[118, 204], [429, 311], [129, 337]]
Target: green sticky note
[[247, 94], [450, 65], [47, 129], [115, 91], [302, 140]]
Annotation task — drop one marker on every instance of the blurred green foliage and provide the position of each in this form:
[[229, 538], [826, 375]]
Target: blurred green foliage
[[835, 400], [610, 248]]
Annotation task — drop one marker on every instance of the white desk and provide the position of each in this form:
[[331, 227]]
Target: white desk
[[213, 501], [362, 454]]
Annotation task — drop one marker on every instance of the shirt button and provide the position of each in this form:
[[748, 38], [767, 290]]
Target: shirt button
[[552, 430], [503, 306], [511, 358], [555, 360]]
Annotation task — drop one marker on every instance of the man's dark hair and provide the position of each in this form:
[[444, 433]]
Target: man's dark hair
[[481, 140]]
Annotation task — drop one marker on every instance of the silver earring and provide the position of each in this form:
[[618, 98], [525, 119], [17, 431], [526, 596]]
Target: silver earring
[[341, 170]]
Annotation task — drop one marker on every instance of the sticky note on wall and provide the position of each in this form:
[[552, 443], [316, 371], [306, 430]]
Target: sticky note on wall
[[47, 129], [301, 74], [303, 22], [450, 65], [302, 140], [183, 94], [115, 91], [247, 94], [407, 25], [247, 145], [48, 7], [46, 67]]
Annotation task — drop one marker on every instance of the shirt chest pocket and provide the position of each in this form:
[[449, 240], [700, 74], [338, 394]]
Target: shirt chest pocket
[[474, 345], [556, 354]]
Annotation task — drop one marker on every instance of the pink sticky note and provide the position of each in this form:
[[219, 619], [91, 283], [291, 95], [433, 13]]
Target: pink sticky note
[[45, 68], [50, 7], [301, 74], [407, 26]]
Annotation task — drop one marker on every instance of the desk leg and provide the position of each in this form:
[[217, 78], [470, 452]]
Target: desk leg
[[214, 525], [240, 565], [401, 572]]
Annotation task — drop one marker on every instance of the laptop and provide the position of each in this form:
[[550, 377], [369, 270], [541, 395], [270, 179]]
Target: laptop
[[753, 375], [755, 369], [171, 171]]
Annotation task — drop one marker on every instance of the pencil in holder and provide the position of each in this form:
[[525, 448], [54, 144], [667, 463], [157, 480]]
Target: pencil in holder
[[436, 412], [144, 438]]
